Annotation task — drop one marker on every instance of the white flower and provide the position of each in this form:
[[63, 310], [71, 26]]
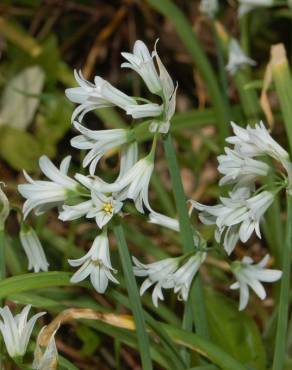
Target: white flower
[[168, 274], [236, 217], [181, 280], [45, 359], [91, 96], [101, 206], [209, 7], [43, 195], [76, 211], [251, 275], [236, 58], [157, 273], [168, 95], [16, 331], [248, 5], [262, 139], [133, 184], [104, 208], [162, 220], [144, 110], [95, 263], [142, 62], [4, 208], [98, 142], [128, 158], [256, 141], [102, 94], [32, 246], [239, 168]]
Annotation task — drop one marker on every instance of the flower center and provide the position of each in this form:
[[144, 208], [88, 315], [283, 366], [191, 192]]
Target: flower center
[[108, 208]]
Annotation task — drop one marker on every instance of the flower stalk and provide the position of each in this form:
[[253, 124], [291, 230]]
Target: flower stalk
[[195, 308], [283, 308], [136, 306]]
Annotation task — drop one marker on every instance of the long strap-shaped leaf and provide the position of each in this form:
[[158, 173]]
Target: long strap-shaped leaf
[[31, 281], [204, 347], [196, 308], [134, 298], [283, 308]]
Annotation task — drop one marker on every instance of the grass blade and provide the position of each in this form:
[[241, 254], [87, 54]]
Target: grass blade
[[31, 281], [196, 295], [136, 306], [281, 335]]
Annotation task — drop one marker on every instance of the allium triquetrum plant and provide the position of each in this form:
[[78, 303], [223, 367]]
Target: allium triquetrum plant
[[183, 280]]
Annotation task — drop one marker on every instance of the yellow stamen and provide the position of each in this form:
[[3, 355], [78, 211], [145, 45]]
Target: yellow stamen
[[108, 208]]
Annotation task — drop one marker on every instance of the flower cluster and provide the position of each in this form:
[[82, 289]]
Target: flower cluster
[[90, 196], [102, 94], [237, 216]]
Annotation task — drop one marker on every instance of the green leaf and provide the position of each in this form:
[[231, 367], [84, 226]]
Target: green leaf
[[19, 148], [202, 346], [89, 338], [33, 299], [134, 297], [31, 281], [65, 364], [195, 307], [233, 331]]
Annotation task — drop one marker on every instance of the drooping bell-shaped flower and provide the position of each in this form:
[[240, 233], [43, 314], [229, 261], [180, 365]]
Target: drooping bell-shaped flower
[[98, 142], [156, 273], [236, 217], [250, 275], [16, 331], [91, 96], [43, 195], [34, 251], [142, 62], [236, 58], [96, 264]]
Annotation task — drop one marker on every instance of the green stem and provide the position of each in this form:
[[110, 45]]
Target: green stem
[[196, 300], [281, 335], [221, 66], [2, 255], [142, 336], [2, 276]]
